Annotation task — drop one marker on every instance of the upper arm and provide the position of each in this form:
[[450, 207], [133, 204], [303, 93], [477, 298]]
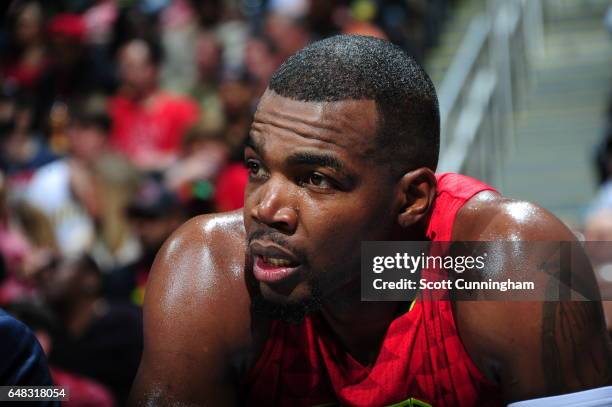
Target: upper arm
[[188, 324], [537, 348]]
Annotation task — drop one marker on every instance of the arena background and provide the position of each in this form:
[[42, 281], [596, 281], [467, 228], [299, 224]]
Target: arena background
[[120, 119]]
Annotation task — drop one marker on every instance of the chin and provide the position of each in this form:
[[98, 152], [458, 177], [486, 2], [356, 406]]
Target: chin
[[292, 308], [285, 295]]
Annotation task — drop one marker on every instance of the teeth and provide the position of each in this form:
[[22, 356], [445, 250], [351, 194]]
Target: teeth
[[277, 262]]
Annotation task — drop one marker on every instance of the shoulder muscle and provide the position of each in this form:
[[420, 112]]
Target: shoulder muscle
[[195, 314], [535, 348]]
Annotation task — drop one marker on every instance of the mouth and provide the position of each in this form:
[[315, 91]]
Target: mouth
[[273, 264]]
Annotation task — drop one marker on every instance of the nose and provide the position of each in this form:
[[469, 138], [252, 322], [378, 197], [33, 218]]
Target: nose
[[274, 209]]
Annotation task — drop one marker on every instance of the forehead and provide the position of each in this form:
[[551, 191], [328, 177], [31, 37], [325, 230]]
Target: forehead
[[349, 125], [135, 51]]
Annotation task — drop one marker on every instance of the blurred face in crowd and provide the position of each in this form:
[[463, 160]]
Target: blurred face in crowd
[[28, 24], [8, 111], [64, 281], [287, 35], [259, 59], [154, 230], [236, 96], [137, 71], [87, 141], [14, 120], [208, 55], [314, 194]]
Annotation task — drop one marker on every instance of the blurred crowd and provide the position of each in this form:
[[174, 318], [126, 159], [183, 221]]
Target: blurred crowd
[[119, 120]]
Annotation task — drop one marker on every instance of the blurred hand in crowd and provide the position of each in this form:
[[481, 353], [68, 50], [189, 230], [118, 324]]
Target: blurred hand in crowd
[[203, 163]]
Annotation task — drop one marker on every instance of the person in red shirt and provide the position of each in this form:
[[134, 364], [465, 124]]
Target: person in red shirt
[[148, 123], [27, 57]]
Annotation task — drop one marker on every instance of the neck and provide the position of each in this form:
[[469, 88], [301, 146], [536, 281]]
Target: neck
[[361, 326], [358, 325], [140, 95]]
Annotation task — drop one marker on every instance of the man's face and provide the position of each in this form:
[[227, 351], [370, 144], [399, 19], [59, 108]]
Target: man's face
[[314, 194], [153, 231], [66, 281], [135, 67], [86, 142]]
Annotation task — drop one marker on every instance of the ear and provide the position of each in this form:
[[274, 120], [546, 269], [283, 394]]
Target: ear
[[417, 192]]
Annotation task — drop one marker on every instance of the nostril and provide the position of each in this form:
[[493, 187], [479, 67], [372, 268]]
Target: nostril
[[283, 219], [275, 207]]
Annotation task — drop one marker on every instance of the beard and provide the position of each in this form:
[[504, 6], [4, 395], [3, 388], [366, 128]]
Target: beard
[[290, 312], [277, 307]]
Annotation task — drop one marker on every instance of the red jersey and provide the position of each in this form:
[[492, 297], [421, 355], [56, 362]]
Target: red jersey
[[422, 360], [156, 127]]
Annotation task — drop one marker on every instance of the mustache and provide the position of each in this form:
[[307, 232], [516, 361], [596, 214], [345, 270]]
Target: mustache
[[277, 238]]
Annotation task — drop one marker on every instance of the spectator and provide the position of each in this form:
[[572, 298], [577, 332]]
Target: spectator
[[260, 60], [147, 122], [237, 97], [208, 55], [27, 55], [22, 151], [155, 213], [64, 189], [178, 28], [286, 29], [96, 338], [71, 74], [83, 392], [26, 246], [116, 245]]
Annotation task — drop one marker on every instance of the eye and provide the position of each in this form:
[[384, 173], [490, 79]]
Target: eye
[[318, 180], [255, 168]]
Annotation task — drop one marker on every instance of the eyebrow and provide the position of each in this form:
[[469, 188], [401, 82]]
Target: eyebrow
[[304, 158], [322, 160], [252, 143]]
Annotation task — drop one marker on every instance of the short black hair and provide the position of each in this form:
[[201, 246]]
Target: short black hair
[[355, 67]]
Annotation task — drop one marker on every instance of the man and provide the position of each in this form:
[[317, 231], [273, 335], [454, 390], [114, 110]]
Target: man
[[83, 391], [154, 213], [65, 189], [262, 307], [97, 338], [22, 151], [148, 123]]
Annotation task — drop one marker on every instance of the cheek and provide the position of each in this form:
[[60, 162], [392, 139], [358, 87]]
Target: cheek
[[337, 231], [249, 202]]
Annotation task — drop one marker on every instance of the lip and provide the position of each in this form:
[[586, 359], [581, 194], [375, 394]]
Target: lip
[[269, 273]]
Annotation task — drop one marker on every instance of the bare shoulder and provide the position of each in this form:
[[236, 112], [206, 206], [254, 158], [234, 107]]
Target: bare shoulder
[[196, 315], [199, 268], [531, 348], [204, 251], [490, 216]]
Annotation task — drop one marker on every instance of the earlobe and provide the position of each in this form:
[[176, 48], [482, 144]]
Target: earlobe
[[417, 191]]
